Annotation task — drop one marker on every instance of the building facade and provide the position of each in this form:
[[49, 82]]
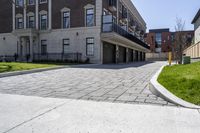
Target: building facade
[[162, 40], [101, 31], [194, 50]]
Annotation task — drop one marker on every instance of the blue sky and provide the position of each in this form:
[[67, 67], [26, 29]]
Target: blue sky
[[163, 13]]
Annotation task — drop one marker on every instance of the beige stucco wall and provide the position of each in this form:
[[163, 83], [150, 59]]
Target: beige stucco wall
[[77, 38], [9, 45], [193, 51]]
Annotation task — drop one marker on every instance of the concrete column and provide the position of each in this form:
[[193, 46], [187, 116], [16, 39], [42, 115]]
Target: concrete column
[[31, 48], [25, 14], [101, 52], [133, 55], [18, 45], [117, 54], [36, 15], [127, 55], [50, 14], [13, 15]]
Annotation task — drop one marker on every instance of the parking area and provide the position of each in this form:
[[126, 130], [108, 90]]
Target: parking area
[[124, 83]]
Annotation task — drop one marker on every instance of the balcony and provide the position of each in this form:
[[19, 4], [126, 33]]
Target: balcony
[[109, 26]]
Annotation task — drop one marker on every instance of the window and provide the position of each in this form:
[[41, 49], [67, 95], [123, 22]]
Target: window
[[31, 22], [158, 39], [43, 22], [19, 2], [66, 44], [19, 23], [89, 17], [89, 46], [66, 19], [112, 3], [31, 2], [43, 1], [43, 47]]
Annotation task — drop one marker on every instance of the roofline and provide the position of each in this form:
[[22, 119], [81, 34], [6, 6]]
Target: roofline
[[196, 17]]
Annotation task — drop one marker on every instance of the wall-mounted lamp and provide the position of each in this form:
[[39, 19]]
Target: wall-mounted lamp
[[77, 33], [4, 38]]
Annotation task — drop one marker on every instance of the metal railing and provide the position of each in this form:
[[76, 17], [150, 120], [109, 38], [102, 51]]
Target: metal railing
[[109, 26], [7, 58], [57, 57]]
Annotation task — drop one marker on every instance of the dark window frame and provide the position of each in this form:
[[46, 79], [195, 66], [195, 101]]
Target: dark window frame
[[29, 2], [41, 22], [65, 44], [43, 1], [91, 14], [20, 25], [44, 45], [31, 23], [65, 19], [18, 3], [87, 43]]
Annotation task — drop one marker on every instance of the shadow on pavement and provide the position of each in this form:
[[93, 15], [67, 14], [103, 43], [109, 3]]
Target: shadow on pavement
[[113, 66]]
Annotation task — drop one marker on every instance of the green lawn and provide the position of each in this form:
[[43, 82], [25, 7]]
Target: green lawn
[[8, 67], [183, 81]]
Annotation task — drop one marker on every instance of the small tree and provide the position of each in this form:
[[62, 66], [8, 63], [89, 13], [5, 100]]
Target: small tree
[[180, 39]]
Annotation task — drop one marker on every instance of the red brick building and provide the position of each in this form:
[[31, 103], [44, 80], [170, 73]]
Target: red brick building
[[162, 40]]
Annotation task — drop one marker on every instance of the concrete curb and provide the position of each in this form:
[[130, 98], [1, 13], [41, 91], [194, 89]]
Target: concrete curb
[[159, 90], [15, 73]]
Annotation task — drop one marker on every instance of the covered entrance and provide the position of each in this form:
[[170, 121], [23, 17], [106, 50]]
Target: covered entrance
[[25, 48], [109, 53], [122, 54], [130, 55], [26, 44]]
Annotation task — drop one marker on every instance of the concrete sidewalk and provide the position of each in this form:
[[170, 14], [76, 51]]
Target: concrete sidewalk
[[22, 114]]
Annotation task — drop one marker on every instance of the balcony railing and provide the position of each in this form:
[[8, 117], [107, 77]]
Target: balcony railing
[[109, 26]]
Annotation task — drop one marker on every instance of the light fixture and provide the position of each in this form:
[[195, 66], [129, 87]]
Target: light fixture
[[4, 38]]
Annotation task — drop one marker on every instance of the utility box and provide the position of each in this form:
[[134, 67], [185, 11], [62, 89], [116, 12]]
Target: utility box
[[186, 60]]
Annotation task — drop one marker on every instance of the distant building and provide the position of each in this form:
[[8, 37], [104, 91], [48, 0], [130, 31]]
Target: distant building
[[194, 50], [162, 40]]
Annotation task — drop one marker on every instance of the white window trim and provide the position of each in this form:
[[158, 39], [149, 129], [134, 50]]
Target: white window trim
[[65, 9], [89, 6]]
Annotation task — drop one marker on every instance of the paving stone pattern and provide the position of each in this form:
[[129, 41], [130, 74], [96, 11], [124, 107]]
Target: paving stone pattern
[[124, 83]]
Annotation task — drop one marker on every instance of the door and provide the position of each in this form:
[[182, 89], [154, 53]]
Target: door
[[109, 53]]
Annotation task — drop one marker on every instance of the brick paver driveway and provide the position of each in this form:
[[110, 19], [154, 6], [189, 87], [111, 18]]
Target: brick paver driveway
[[127, 83]]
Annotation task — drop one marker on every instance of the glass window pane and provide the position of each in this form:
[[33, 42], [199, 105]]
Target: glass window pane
[[90, 40], [66, 14], [90, 46], [66, 19], [90, 20], [90, 11]]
